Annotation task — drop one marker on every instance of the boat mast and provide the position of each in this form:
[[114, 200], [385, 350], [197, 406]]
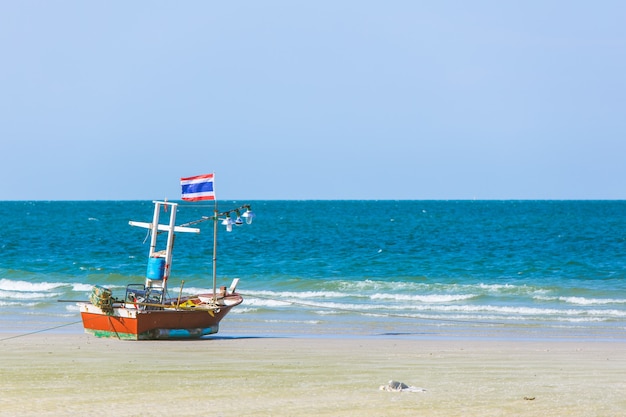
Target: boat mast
[[165, 255]]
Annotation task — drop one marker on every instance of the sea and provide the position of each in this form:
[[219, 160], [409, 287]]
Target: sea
[[533, 270]]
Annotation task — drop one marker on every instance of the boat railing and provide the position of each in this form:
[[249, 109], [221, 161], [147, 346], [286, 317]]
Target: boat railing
[[143, 297]]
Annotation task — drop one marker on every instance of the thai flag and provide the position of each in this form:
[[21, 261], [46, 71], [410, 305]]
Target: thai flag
[[198, 188]]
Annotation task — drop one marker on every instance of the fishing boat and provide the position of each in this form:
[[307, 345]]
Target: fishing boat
[[147, 312]]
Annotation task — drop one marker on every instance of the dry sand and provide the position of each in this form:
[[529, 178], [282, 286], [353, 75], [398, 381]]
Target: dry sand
[[59, 375]]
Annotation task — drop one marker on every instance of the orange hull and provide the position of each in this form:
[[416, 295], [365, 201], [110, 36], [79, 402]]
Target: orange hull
[[133, 324]]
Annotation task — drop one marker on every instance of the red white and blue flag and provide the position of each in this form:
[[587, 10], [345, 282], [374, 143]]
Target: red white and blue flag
[[198, 188]]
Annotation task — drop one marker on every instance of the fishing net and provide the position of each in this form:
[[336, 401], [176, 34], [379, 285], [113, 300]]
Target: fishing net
[[101, 298]]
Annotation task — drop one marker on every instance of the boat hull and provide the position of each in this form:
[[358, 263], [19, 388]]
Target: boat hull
[[127, 323]]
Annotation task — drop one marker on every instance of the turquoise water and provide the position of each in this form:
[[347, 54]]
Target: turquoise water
[[527, 269]]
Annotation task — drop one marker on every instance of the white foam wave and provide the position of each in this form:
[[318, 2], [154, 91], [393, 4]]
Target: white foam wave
[[25, 286], [23, 290], [242, 310], [583, 300], [82, 287], [432, 298], [16, 304], [261, 302], [496, 319], [513, 289], [20, 295], [294, 321], [301, 295], [444, 288], [513, 311], [465, 311]]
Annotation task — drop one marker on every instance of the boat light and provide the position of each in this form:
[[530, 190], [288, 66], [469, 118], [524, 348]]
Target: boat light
[[228, 222], [248, 215]]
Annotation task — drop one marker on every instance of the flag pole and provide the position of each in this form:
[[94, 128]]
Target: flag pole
[[215, 215], [215, 218], [201, 187]]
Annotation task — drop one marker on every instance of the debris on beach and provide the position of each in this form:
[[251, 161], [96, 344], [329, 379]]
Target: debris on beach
[[397, 386]]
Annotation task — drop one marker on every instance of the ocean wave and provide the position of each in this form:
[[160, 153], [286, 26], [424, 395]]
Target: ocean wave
[[404, 287], [82, 287], [20, 295], [263, 302], [294, 321], [583, 300], [25, 286], [72, 307], [508, 319], [511, 289], [16, 304], [23, 290], [441, 310], [517, 310], [432, 298], [306, 294], [243, 310]]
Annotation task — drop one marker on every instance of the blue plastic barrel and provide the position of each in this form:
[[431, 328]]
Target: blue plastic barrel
[[156, 268]]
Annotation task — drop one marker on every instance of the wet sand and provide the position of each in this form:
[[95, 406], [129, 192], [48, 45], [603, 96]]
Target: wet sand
[[63, 375]]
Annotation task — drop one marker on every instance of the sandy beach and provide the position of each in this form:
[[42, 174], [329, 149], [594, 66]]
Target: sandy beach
[[63, 375]]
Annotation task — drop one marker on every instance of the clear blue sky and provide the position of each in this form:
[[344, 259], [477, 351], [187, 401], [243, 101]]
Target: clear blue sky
[[313, 99]]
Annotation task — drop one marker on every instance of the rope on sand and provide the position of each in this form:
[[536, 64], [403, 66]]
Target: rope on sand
[[40, 331]]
